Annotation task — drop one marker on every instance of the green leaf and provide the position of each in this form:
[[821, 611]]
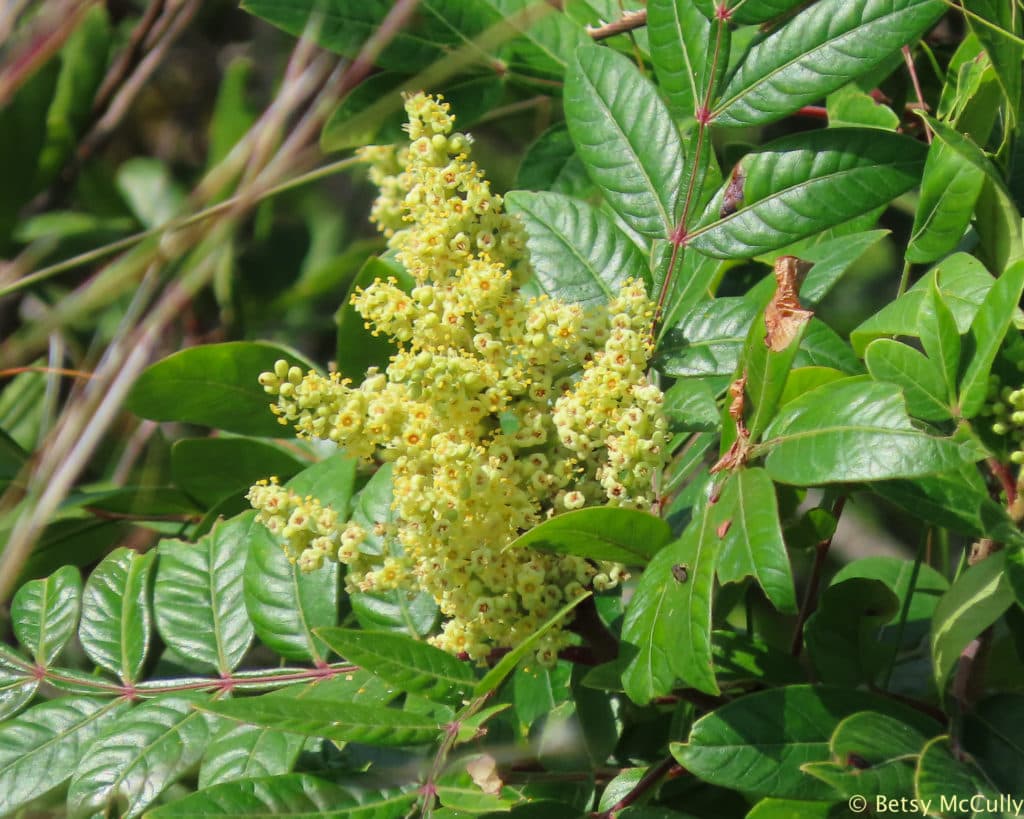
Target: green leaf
[[213, 385], [683, 52], [822, 346], [626, 138], [247, 752], [919, 378], [740, 658], [748, 11], [77, 541], [358, 349], [804, 183], [241, 751], [816, 52], [896, 574], [210, 469], [601, 533], [138, 755], [875, 756], [44, 613], [842, 634], [42, 748], [22, 134], [753, 545], [1003, 48], [690, 406], [299, 795], [766, 371], [945, 778], [708, 340], [977, 598], [988, 330], [805, 379], [458, 791], [759, 742], [692, 283], [284, 603], [549, 40], [150, 190], [341, 722], [940, 337], [358, 119], [344, 27], [949, 188], [395, 611], [200, 611], [83, 63], [992, 732], [116, 613], [18, 684], [831, 259], [409, 664], [849, 106], [667, 628], [997, 220], [346, 129], [551, 164], [796, 809], [963, 284], [577, 251], [957, 500], [853, 430], [537, 690]]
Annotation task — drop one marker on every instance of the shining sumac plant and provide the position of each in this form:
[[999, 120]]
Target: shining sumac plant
[[654, 453]]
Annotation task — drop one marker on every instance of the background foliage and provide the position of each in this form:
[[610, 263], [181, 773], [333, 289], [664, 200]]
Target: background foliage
[[829, 604]]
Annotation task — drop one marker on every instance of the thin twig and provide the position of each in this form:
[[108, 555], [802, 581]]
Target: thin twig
[[629, 21], [908, 58], [131, 86], [814, 581], [126, 60], [41, 47]]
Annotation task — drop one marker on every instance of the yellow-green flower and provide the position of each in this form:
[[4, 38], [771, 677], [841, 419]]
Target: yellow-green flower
[[498, 410]]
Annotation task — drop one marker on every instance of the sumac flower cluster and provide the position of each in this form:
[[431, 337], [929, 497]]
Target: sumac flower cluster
[[498, 411]]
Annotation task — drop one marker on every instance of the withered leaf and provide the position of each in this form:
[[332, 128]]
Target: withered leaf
[[737, 454], [733, 196], [784, 318]]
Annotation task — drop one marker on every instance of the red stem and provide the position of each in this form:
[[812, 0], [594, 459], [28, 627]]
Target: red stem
[[703, 115]]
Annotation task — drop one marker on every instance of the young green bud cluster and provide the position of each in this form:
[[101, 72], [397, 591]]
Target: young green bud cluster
[[1005, 406], [498, 410]]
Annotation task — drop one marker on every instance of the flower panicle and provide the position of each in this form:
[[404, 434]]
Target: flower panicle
[[497, 411]]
